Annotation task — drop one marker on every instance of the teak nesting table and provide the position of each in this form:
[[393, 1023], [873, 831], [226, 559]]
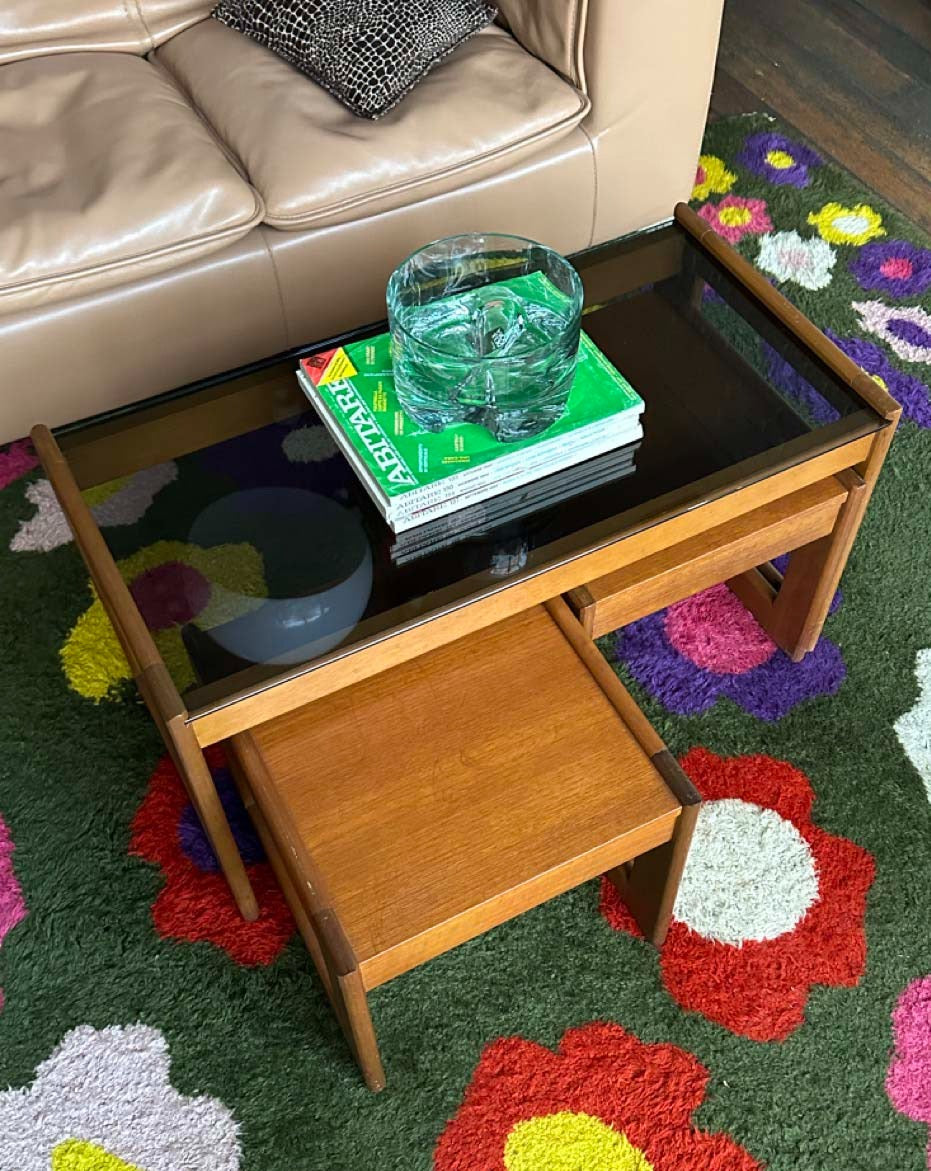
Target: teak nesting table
[[460, 751]]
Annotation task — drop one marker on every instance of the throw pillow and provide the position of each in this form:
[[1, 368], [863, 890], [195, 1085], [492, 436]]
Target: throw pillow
[[367, 53]]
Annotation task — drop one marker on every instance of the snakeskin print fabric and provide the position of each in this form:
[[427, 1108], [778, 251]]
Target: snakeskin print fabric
[[367, 53]]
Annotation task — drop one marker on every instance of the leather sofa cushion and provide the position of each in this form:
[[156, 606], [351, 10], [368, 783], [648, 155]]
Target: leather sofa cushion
[[316, 164], [32, 28], [105, 173]]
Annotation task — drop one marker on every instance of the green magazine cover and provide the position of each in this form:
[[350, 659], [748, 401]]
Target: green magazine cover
[[354, 388]]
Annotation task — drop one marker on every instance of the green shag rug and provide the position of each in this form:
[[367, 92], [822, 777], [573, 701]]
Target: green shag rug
[[787, 1021]]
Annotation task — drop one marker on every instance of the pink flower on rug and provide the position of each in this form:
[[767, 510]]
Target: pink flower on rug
[[735, 217], [12, 906], [16, 461], [709, 647], [908, 1082]]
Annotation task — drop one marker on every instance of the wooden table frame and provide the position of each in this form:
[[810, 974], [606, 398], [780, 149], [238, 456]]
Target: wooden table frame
[[645, 865], [811, 509]]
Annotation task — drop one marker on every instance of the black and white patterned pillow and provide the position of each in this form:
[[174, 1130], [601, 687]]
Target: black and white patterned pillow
[[367, 53]]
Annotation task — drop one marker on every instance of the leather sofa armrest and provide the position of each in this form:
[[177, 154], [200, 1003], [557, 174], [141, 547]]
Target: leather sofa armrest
[[661, 50], [648, 68], [552, 30]]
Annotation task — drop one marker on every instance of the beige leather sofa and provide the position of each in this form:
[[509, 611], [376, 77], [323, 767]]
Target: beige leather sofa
[[176, 200]]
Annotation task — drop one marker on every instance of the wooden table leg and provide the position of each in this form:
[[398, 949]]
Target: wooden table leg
[[793, 611], [649, 884], [316, 920]]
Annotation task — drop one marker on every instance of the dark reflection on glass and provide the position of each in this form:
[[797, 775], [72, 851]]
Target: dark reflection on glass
[[730, 398]]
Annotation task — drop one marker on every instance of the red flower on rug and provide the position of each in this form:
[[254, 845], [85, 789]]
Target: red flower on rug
[[604, 1099], [769, 903], [195, 904]]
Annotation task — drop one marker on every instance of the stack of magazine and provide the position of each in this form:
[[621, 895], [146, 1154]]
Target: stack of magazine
[[429, 486]]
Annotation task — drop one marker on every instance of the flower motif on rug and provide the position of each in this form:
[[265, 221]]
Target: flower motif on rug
[[709, 647], [779, 159], [712, 177], [906, 329], [121, 502], [103, 1102], [604, 1100], [908, 1082], [16, 460], [12, 904], [172, 583], [914, 727], [893, 266], [847, 225], [769, 903], [735, 217], [788, 379], [789, 257], [913, 395], [195, 904]]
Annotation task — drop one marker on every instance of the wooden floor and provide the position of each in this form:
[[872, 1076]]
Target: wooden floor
[[854, 76]]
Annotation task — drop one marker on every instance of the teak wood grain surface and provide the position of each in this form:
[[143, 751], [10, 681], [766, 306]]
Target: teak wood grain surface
[[709, 557], [457, 790]]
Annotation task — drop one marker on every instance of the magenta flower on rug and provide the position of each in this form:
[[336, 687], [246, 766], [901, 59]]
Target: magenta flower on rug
[[908, 1082], [735, 217], [709, 647], [893, 266], [12, 906], [16, 461], [779, 159]]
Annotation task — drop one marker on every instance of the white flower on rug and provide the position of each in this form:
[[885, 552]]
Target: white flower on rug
[[727, 892], [121, 502], [308, 445], [789, 257], [103, 1102], [914, 727], [906, 328]]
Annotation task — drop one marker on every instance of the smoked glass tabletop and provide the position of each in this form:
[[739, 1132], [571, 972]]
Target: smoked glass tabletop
[[253, 553]]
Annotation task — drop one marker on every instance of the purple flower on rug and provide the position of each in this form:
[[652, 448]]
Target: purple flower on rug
[[779, 159], [709, 647], [911, 392], [908, 1082], [893, 266], [906, 329], [786, 378], [195, 843]]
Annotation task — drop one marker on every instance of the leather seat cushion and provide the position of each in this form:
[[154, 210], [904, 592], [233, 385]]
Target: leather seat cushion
[[32, 28], [105, 173], [316, 164]]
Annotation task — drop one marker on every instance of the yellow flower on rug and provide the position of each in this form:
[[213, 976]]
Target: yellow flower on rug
[[603, 1101], [78, 1155], [847, 225], [172, 583], [712, 177], [566, 1141]]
